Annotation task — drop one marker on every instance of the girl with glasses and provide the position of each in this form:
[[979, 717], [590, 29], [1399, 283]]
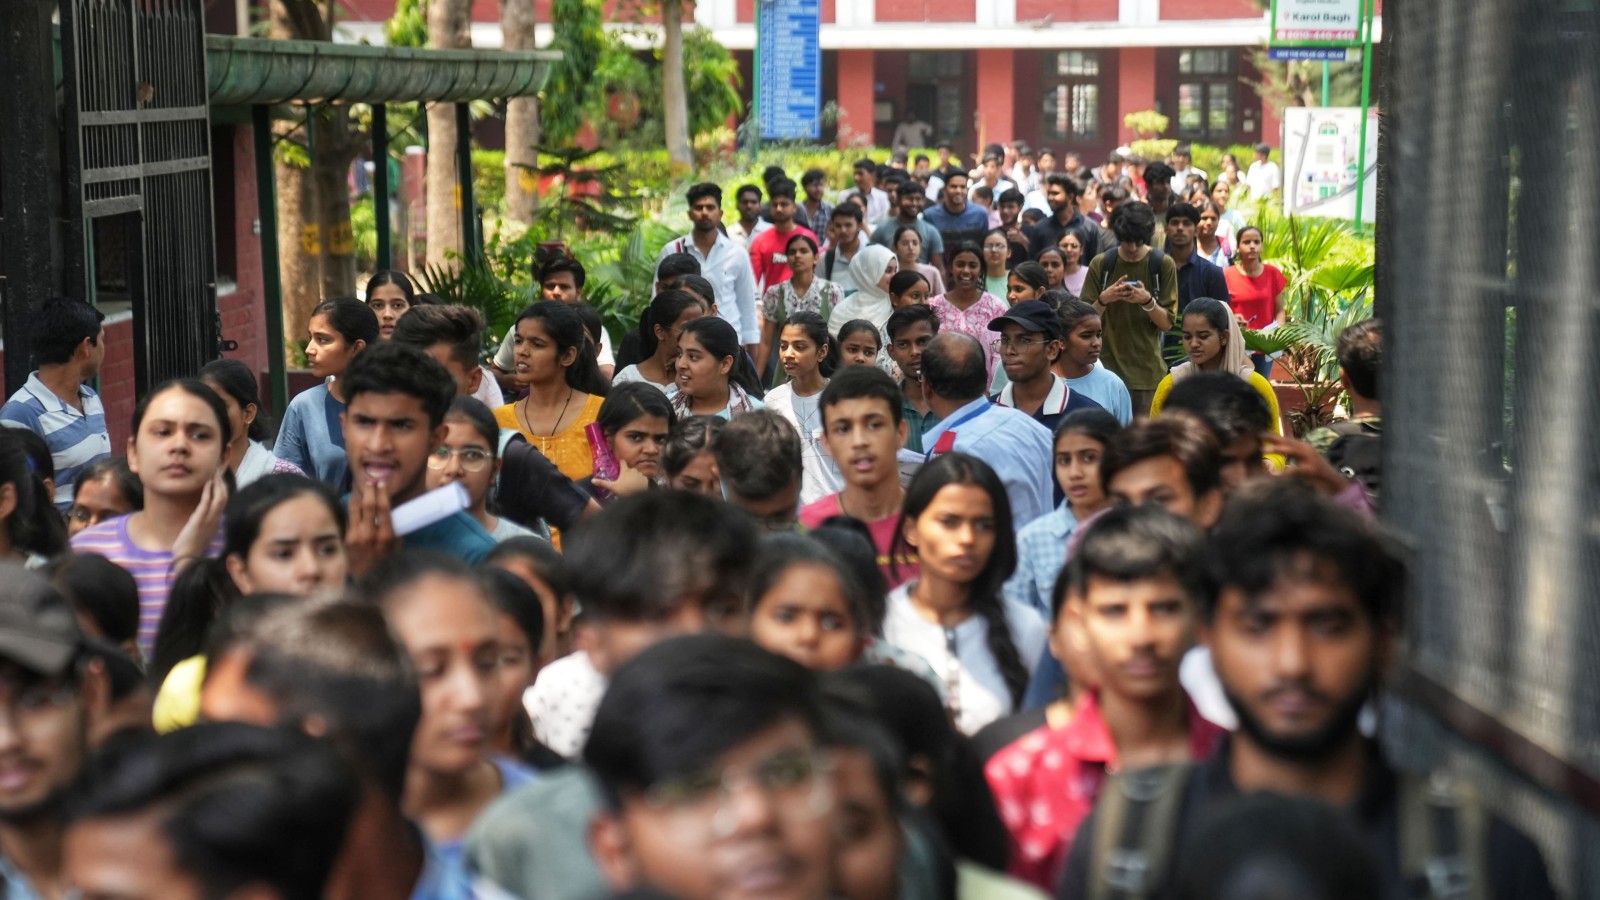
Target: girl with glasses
[[470, 454]]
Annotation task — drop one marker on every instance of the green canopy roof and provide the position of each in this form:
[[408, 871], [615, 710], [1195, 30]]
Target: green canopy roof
[[252, 71]]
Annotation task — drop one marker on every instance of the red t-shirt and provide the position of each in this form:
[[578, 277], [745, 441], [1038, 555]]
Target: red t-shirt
[[768, 258], [1255, 298], [1046, 782], [815, 514]]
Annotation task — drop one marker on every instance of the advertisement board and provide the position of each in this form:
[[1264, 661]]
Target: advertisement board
[[1321, 159], [1316, 21]]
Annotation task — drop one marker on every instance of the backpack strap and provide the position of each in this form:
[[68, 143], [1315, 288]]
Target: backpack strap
[[1444, 838], [828, 259], [1154, 260], [1136, 823], [1108, 261]]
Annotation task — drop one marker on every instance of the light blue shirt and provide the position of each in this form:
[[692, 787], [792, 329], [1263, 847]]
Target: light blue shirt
[[16, 885], [1104, 387], [312, 438], [1041, 554], [1016, 446]]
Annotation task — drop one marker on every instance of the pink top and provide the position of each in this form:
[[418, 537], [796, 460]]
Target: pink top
[[904, 568], [152, 570], [973, 320], [1046, 782]]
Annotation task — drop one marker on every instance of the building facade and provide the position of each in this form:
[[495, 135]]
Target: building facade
[[1054, 73]]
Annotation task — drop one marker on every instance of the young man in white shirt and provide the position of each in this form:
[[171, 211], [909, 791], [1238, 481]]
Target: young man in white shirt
[[1263, 177]]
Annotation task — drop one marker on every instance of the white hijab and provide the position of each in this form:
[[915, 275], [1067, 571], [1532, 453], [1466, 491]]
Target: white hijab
[[870, 301], [1235, 356]]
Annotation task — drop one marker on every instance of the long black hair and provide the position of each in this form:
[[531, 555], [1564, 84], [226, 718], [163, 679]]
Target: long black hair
[[722, 342], [354, 320], [631, 400], [662, 312], [690, 437], [565, 328], [34, 525], [236, 381], [983, 593], [817, 332], [395, 277], [204, 588]]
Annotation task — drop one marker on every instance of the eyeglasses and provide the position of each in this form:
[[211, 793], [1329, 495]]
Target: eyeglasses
[[1019, 343], [26, 706], [792, 779], [473, 459]]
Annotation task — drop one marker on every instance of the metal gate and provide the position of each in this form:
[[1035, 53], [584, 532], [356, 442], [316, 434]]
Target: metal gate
[[138, 159]]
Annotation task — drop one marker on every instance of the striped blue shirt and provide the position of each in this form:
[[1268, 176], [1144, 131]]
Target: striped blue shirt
[[77, 439]]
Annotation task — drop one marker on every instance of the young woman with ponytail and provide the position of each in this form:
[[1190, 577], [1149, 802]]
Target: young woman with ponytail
[[808, 355], [555, 361], [715, 375], [658, 338], [957, 520]]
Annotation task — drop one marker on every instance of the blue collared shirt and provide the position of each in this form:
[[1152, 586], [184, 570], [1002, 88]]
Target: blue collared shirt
[[1041, 553], [1013, 444]]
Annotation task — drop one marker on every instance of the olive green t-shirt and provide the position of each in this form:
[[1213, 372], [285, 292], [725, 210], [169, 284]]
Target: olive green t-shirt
[[1132, 344]]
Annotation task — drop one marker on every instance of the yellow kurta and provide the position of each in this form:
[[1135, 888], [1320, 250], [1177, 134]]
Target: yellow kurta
[[568, 448]]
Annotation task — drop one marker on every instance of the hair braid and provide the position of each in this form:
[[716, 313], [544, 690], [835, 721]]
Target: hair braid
[[1003, 648]]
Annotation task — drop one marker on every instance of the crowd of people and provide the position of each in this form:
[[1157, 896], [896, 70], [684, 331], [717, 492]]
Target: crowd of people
[[885, 559]]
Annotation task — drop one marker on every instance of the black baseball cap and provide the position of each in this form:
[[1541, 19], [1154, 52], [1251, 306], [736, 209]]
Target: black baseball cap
[[38, 630], [1033, 315]]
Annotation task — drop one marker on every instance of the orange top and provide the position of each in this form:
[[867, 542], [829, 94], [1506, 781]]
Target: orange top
[[568, 448]]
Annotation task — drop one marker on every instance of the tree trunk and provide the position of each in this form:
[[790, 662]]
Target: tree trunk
[[333, 150], [675, 99], [448, 24], [299, 244], [317, 256], [522, 118]]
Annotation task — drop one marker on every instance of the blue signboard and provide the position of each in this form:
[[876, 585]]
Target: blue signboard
[[789, 52], [1312, 54]]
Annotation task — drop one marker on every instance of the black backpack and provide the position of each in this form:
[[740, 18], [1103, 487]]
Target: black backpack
[[1357, 453], [1444, 828], [1108, 262]]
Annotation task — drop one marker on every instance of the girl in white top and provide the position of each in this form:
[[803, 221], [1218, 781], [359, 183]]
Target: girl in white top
[[957, 519], [807, 352], [658, 339]]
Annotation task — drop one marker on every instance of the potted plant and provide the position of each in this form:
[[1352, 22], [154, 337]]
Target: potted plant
[[1330, 275], [1306, 374]]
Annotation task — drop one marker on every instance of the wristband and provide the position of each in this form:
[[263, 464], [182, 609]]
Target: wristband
[[1149, 307]]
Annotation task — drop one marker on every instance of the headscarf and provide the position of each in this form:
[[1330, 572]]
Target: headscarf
[[870, 301], [1235, 356]]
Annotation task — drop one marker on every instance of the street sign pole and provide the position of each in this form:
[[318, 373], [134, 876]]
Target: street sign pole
[[1366, 102], [753, 139]]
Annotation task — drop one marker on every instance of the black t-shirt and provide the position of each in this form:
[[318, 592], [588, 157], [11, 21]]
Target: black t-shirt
[[1516, 868], [1002, 732], [531, 487]]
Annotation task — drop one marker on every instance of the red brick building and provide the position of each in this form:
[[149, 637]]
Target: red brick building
[[1055, 73]]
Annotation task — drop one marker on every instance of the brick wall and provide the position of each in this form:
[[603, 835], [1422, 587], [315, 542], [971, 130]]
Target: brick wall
[[1209, 9], [1067, 10]]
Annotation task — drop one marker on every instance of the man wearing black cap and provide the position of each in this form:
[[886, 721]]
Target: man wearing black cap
[[1030, 341], [46, 695]]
